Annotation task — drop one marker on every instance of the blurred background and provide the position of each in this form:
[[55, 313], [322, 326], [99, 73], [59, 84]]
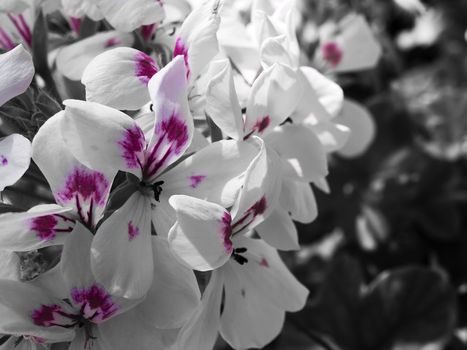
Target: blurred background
[[386, 259]]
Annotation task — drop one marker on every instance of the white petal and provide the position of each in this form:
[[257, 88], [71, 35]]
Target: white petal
[[363, 129], [298, 199], [103, 138], [73, 184], [15, 6], [197, 41], [222, 104], [275, 50], [15, 156], [9, 265], [42, 226], [273, 98], [201, 235], [118, 78], [121, 252], [248, 320], [73, 59], [173, 130], [200, 332], [268, 275], [81, 8], [18, 303], [128, 15], [214, 173], [279, 231], [301, 148], [16, 73], [260, 191], [174, 294]]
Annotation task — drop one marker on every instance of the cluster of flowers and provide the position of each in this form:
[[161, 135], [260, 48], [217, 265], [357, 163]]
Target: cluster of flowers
[[228, 135]]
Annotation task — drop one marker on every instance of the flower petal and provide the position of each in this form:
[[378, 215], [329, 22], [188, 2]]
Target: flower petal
[[121, 252], [15, 156], [73, 184], [273, 97], [9, 265], [298, 199], [299, 146], [222, 104], [201, 235], [119, 77], [16, 73], [248, 320], [197, 40], [126, 15], [363, 129], [42, 226], [173, 129], [260, 191], [102, 137], [73, 59], [279, 231], [200, 332], [214, 173], [18, 303], [81, 8], [275, 50], [174, 294], [268, 275]]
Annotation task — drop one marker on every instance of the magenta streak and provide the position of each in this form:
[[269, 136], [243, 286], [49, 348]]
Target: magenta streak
[[226, 232], [112, 42], [75, 24], [255, 210], [145, 67], [52, 315], [332, 53], [259, 127], [195, 180], [182, 50], [147, 31], [47, 226], [133, 231], [5, 40], [132, 145], [85, 187], [22, 28], [3, 160], [264, 262], [96, 305], [175, 132]]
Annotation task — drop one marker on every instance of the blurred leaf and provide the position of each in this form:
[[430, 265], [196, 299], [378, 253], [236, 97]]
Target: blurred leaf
[[410, 305]]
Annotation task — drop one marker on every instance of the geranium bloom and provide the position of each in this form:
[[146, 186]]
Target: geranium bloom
[[119, 78], [102, 137], [81, 195], [31, 312]]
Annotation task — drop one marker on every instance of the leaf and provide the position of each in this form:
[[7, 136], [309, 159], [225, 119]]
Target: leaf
[[410, 305]]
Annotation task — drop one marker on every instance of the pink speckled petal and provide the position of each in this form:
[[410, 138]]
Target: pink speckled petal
[[121, 252], [173, 129], [15, 156], [273, 98], [73, 184], [42, 226], [118, 78], [103, 138], [201, 237]]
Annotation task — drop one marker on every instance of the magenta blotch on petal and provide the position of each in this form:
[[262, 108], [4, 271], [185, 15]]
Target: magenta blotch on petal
[[75, 24], [47, 227], [181, 50], [52, 315], [227, 233], [112, 42], [260, 126], [195, 180], [264, 262], [145, 68], [96, 305], [132, 144], [250, 215], [148, 30], [133, 231], [3, 161], [172, 132], [332, 53]]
